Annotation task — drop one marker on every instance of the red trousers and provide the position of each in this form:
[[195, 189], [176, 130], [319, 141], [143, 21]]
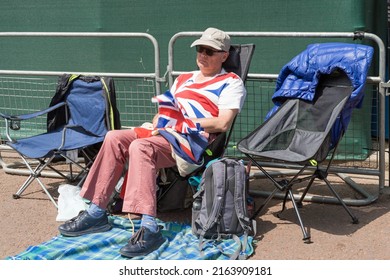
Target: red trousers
[[145, 156]]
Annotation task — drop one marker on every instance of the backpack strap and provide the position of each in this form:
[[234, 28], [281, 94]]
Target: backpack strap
[[243, 255], [218, 199], [241, 180], [237, 252], [239, 194]]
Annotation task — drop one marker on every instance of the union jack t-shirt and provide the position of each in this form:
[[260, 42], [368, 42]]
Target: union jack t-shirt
[[204, 100], [187, 100]]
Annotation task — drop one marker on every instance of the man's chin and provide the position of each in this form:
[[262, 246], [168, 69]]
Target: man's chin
[[202, 64]]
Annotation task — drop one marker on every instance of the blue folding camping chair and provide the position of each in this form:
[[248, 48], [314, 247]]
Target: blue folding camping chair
[[80, 114]]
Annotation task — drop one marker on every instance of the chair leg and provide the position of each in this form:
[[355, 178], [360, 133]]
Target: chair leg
[[300, 202], [306, 235], [289, 193], [284, 202], [82, 180], [265, 204], [284, 185], [47, 192], [34, 174], [23, 187], [162, 193], [81, 174], [355, 220], [29, 180]]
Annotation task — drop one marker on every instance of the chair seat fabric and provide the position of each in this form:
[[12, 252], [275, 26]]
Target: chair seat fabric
[[44, 145]]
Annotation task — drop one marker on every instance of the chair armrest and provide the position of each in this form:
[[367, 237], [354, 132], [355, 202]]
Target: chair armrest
[[13, 122], [31, 115]]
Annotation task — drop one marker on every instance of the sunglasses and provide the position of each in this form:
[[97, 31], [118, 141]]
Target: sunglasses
[[209, 52]]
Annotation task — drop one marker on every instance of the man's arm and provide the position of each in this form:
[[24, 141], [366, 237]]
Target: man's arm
[[155, 120], [219, 124]]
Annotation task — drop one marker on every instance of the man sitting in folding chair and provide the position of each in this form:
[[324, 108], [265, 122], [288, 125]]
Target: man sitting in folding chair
[[210, 99]]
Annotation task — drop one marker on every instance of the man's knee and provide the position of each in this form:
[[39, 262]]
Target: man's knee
[[140, 145], [113, 135]]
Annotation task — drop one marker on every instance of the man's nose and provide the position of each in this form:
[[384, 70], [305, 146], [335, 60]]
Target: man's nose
[[203, 52]]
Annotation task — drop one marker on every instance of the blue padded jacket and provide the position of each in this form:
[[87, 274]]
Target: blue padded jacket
[[299, 77]]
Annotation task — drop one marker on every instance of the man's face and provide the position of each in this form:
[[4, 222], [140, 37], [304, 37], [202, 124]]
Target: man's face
[[209, 60]]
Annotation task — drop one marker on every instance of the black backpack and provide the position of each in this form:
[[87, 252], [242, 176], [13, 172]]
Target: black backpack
[[222, 207]]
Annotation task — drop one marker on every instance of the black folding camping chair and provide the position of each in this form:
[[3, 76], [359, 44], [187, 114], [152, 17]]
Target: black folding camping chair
[[315, 95]]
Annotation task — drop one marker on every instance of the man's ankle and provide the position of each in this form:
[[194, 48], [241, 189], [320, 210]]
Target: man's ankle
[[149, 222], [96, 211]]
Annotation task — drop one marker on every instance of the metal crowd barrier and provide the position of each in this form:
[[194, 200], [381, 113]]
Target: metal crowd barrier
[[27, 91], [135, 89], [84, 35]]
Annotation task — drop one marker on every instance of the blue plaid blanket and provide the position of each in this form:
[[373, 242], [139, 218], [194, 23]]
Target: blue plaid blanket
[[180, 244]]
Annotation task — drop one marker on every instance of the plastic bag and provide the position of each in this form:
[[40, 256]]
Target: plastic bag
[[70, 203]]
